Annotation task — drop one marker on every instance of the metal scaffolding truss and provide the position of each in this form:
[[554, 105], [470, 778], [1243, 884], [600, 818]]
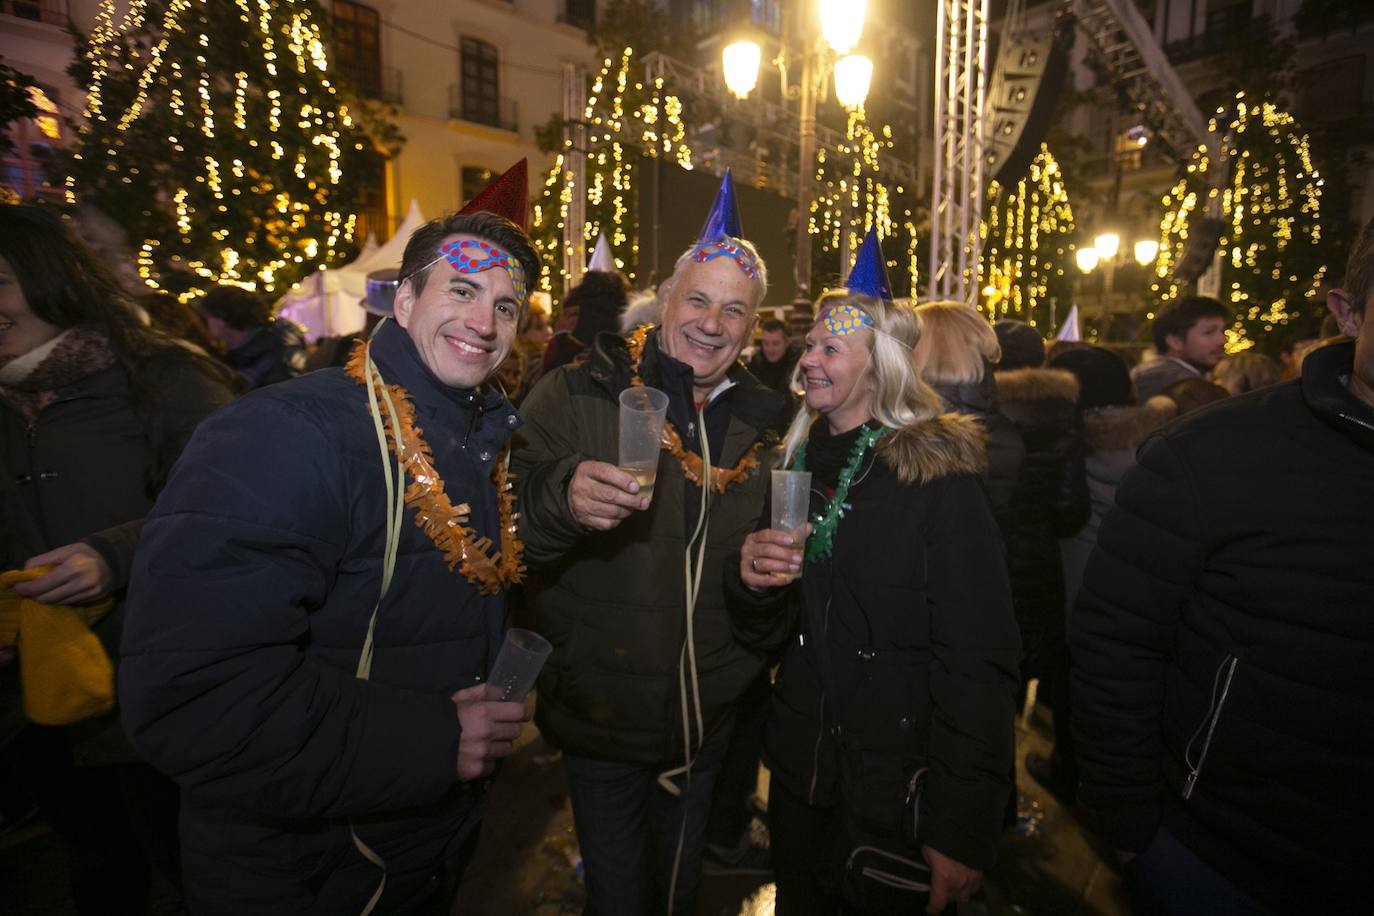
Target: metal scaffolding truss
[[1124, 45], [961, 62]]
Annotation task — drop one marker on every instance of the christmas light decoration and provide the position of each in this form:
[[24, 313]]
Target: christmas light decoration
[[215, 135], [1026, 236], [1272, 264], [625, 119]]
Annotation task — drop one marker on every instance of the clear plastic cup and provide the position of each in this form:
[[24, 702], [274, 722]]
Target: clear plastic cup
[[518, 664], [642, 411], [791, 497]]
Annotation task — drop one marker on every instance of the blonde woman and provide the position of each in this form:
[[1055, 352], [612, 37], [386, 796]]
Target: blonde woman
[[890, 732]]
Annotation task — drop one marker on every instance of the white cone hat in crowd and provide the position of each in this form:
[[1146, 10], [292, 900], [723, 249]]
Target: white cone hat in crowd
[[328, 302], [602, 259], [1069, 329]]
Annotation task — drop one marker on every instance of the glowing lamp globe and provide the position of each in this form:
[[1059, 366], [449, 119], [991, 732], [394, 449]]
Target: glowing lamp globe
[[853, 74], [1087, 259], [1146, 250], [741, 64], [842, 22], [1107, 245]]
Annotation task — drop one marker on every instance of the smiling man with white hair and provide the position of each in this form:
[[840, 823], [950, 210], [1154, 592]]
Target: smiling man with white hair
[[640, 690]]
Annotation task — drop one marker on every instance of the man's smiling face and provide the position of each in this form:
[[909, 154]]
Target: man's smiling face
[[708, 316], [463, 324]]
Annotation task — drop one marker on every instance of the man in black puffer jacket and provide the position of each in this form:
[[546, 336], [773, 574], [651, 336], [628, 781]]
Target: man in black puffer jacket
[[1222, 645], [324, 718]]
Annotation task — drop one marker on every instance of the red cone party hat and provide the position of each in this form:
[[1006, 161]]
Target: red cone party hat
[[508, 196]]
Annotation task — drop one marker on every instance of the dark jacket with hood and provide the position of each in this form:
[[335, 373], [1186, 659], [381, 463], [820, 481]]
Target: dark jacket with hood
[[1049, 501], [614, 604], [913, 612], [1006, 451], [1223, 640], [254, 582], [87, 468], [273, 353]]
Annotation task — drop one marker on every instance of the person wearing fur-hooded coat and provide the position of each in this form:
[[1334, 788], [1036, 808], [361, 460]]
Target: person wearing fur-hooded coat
[[899, 649]]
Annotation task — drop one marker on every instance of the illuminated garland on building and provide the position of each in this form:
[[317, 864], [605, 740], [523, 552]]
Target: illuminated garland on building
[[1272, 264], [1025, 243], [625, 119], [215, 136], [852, 194]]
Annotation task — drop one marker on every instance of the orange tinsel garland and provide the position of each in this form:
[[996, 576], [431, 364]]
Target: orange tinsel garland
[[692, 465], [435, 514]]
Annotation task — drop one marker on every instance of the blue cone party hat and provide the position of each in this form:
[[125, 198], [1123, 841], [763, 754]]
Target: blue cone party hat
[[723, 219], [869, 275]]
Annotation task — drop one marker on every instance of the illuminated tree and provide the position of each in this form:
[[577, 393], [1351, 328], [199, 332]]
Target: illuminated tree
[[1026, 235], [625, 120], [216, 135], [1273, 237]]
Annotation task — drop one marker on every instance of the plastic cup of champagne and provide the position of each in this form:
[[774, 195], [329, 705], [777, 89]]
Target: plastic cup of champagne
[[642, 411], [791, 499], [518, 664]]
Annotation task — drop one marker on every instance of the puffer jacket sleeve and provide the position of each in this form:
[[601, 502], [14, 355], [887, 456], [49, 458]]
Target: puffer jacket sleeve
[[976, 649], [216, 689], [1149, 552], [545, 455]]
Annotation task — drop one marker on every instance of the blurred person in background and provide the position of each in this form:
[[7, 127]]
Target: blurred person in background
[[95, 408], [1050, 499], [1191, 394], [589, 308], [776, 357], [955, 355], [261, 349], [1247, 371], [180, 321], [1113, 428], [1189, 337]]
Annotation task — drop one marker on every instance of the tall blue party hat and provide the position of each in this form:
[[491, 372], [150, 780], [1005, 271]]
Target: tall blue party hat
[[869, 275], [723, 219]]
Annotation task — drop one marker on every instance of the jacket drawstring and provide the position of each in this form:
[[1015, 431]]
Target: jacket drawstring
[[1209, 722]]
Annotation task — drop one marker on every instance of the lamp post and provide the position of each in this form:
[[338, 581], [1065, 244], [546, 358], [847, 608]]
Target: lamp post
[[841, 23], [1108, 253]]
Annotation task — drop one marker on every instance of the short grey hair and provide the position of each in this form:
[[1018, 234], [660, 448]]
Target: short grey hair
[[761, 279]]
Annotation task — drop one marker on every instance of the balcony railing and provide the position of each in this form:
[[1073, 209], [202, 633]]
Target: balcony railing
[[499, 112], [53, 12], [1228, 27]]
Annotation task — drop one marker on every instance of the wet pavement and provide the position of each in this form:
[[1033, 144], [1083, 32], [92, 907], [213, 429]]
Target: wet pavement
[[526, 862]]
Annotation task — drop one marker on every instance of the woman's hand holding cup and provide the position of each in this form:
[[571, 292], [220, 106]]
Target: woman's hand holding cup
[[772, 558]]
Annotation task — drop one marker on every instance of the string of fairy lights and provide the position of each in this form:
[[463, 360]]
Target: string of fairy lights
[[1272, 263], [626, 117], [1026, 235], [256, 197]]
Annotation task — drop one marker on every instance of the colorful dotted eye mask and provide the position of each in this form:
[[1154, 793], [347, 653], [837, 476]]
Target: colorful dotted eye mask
[[471, 256], [742, 257], [845, 319]]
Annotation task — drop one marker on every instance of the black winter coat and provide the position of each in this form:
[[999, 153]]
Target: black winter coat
[[273, 353], [914, 612], [1006, 451], [253, 585], [88, 469], [614, 605], [1223, 643], [1049, 501]]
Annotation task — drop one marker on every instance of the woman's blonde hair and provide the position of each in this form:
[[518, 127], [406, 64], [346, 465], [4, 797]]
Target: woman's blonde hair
[[900, 397], [957, 344], [1247, 371]]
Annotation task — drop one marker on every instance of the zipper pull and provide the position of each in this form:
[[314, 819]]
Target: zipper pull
[[1188, 784]]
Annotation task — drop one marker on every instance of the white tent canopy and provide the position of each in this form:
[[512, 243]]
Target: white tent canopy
[[328, 302]]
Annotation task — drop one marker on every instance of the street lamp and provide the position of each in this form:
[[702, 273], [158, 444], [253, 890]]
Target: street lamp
[[1087, 259], [1106, 252], [1146, 250], [1107, 245], [842, 23], [740, 62]]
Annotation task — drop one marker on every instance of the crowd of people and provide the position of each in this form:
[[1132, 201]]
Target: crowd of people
[[299, 581]]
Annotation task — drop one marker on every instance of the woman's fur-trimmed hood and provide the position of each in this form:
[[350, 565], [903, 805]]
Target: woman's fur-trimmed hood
[[1118, 428], [1036, 384], [942, 446]]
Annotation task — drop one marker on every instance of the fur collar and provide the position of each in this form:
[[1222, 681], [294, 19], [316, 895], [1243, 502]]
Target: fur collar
[[943, 446], [1117, 428], [1037, 384]]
